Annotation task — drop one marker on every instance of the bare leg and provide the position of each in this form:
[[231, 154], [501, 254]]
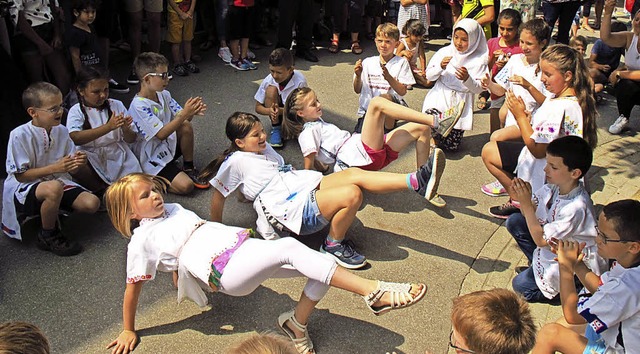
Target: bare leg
[[374, 182], [494, 119], [181, 184], [50, 193], [88, 178], [185, 139], [235, 49], [86, 203], [508, 133], [491, 159], [186, 50], [399, 138], [153, 31], [340, 205], [135, 30], [244, 46], [554, 337], [175, 53]]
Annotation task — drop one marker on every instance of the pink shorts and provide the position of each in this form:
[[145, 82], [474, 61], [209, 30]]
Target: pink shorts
[[379, 158]]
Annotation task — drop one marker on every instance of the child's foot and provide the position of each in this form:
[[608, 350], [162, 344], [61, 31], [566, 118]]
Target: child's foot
[[392, 296], [239, 64], [194, 174], [57, 244], [345, 254], [250, 64], [180, 70], [430, 173], [448, 119], [296, 331], [133, 79], [503, 211], [191, 67], [275, 140], [494, 189], [225, 54], [116, 87], [250, 54]]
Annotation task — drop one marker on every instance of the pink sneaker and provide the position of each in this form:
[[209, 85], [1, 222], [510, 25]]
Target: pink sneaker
[[494, 189]]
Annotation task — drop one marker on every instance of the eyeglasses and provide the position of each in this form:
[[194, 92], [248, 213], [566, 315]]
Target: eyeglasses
[[163, 76], [452, 345], [52, 110], [606, 240]]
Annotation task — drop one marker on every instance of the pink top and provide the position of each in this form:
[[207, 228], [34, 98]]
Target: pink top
[[494, 44]]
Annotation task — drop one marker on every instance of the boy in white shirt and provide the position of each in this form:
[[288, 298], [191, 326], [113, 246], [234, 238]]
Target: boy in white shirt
[[40, 158], [275, 89], [385, 75], [163, 126]]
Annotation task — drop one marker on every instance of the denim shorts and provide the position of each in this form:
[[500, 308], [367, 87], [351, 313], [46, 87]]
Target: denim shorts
[[312, 220], [595, 343]]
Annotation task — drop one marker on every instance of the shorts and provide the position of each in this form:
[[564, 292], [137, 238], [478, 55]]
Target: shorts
[[26, 46], [239, 22], [170, 171], [179, 30], [137, 5], [312, 219], [497, 103], [31, 206], [509, 152], [379, 158], [595, 344]]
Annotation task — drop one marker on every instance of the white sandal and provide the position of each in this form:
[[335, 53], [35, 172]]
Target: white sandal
[[303, 345], [401, 296]]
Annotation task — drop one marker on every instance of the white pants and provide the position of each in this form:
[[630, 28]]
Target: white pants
[[258, 260]]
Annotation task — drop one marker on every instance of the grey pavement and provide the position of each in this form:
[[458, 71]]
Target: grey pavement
[[77, 301]]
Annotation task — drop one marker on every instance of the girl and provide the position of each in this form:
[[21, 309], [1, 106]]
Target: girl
[[522, 75], [411, 47], [571, 112], [458, 69], [302, 202], [102, 128], [214, 257], [323, 144]]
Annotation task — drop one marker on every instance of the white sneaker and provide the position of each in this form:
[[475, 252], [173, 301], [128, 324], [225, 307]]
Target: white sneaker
[[225, 54], [251, 55], [618, 125]]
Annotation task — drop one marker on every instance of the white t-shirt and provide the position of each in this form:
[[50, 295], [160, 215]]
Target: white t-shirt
[[297, 80], [148, 118], [563, 217], [179, 240], [109, 155], [279, 193], [374, 84], [556, 117], [32, 147], [616, 303]]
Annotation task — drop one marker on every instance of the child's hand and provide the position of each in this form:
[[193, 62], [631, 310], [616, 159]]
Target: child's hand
[[194, 106], [385, 72], [125, 342], [569, 254], [462, 74], [445, 61], [407, 54], [357, 69], [117, 121], [485, 81], [515, 104], [274, 112], [609, 6], [521, 190], [519, 80], [183, 15]]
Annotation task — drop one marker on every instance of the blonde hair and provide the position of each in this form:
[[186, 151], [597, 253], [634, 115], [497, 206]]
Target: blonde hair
[[292, 123], [265, 343], [22, 337], [119, 195], [389, 30], [38, 92]]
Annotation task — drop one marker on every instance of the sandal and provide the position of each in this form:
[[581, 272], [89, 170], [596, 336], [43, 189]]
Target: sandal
[[401, 296], [333, 47], [303, 345], [356, 48]]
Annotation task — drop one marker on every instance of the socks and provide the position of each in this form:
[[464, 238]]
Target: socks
[[329, 241], [187, 165], [412, 181]]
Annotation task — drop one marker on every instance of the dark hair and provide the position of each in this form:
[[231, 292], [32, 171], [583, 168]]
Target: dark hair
[[79, 5], [147, 62], [414, 27], [617, 26], [33, 95], [281, 57], [539, 29], [511, 14], [579, 39], [22, 337], [85, 75], [574, 151], [623, 214], [238, 126]]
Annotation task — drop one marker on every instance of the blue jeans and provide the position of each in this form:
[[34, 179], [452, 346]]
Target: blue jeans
[[517, 226], [562, 11], [525, 284]]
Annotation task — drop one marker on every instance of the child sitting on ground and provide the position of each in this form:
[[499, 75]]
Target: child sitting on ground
[[612, 311], [275, 89], [383, 74], [560, 210], [579, 43], [411, 47], [40, 158], [604, 59], [164, 128]]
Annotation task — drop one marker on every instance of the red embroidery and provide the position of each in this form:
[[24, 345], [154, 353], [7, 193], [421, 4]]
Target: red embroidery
[[138, 278]]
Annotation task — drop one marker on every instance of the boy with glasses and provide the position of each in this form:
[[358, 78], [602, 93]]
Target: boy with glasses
[[164, 127], [613, 311], [40, 160]]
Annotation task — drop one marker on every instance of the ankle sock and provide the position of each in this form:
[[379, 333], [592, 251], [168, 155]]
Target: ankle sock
[[412, 181], [187, 165], [329, 241]]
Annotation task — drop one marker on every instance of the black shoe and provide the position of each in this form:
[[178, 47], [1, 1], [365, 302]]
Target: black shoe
[[358, 127], [180, 70], [307, 55], [503, 211], [520, 269], [58, 244], [430, 173], [116, 87], [133, 78]]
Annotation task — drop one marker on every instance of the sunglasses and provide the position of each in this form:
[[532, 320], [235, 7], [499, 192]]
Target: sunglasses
[[163, 76]]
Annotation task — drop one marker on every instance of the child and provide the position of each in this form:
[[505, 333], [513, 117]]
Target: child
[[457, 70], [386, 73], [605, 59], [275, 89], [40, 156], [560, 210], [612, 312], [240, 19], [164, 128], [579, 43], [180, 35], [264, 343], [302, 202], [323, 144], [564, 74], [212, 257], [22, 337], [496, 321], [412, 47], [414, 10], [102, 127]]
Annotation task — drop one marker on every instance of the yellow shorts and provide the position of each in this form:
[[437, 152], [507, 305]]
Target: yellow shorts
[[178, 30]]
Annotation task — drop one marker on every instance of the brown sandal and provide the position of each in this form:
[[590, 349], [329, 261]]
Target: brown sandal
[[356, 48], [333, 47]]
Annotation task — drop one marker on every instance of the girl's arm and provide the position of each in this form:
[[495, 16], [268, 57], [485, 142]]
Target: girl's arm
[[517, 107], [116, 121], [617, 39], [217, 205], [309, 161], [128, 338], [423, 58], [400, 48]]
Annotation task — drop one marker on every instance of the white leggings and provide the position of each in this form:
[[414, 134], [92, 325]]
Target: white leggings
[[258, 260]]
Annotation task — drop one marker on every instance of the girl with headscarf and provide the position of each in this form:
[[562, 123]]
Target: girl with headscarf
[[457, 70]]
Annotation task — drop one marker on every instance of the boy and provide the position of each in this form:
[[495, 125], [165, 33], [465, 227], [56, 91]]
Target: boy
[[612, 312], [40, 156], [164, 128], [22, 337], [274, 90], [605, 59], [494, 321], [180, 34], [579, 43], [386, 74], [560, 210]]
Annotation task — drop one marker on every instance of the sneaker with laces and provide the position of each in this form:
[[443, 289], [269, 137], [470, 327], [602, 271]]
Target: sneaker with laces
[[618, 126], [225, 54], [275, 140], [345, 255], [429, 175], [250, 64], [239, 65], [448, 119], [57, 244], [191, 67], [494, 189], [133, 79], [116, 87], [180, 70], [251, 55], [194, 174], [503, 211]]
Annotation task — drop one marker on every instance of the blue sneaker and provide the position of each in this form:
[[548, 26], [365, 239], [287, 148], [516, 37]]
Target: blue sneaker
[[275, 140], [250, 64], [239, 64], [345, 255]]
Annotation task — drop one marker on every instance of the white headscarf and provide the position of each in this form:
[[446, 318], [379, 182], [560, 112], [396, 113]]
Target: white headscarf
[[475, 58]]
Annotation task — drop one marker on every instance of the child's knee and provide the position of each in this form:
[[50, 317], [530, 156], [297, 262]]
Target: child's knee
[[181, 184], [186, 129], [86, 203], [50, 190], [353, 195], [489, 151], [548, 333]]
